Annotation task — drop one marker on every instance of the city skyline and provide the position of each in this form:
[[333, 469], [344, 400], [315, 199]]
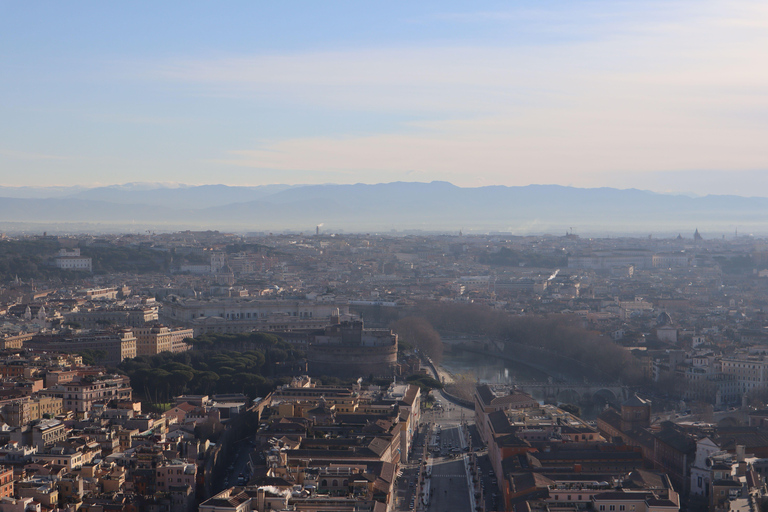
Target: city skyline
[[657, 96]]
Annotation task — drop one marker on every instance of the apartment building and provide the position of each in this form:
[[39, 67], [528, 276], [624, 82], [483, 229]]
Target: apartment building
[[100, 318], [116, 346], [153, 340], [175, 474], [6, 482], [750, 372], [247, 314], [80, 396]]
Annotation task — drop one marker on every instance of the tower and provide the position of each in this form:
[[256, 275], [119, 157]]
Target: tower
[[635, 414]]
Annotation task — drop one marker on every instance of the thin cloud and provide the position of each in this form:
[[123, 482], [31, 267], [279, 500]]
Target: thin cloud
[[23, 155]]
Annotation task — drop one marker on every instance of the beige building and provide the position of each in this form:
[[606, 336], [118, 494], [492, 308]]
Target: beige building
[[18, 412], [124, 317], [244, 314], [16, 341], [40, 434], [116, 346], [46, 406], [634, 501], [156, 339], [80, 396]]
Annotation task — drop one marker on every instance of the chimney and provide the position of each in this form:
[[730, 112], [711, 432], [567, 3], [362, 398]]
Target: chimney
[[740, 452], [260, 500]]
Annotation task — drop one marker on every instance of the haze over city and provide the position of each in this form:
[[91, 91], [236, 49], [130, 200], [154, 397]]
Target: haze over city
[[434, 256]]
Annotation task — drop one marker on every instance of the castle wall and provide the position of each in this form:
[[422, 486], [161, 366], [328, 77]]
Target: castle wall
[[349, 361]]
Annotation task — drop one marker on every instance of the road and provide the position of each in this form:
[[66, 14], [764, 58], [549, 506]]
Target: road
[[240, 465], [449, 487], [447, 484]]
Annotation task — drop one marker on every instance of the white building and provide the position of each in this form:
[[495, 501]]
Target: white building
[[751, 373], [72, 260]]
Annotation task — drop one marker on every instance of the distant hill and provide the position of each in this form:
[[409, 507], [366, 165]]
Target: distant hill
[[436, 206], [183, 197]]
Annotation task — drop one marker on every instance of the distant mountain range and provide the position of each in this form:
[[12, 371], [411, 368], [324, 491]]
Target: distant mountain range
[[436, 206]]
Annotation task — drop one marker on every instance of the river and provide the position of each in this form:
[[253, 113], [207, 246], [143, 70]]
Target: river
[[491, 370]]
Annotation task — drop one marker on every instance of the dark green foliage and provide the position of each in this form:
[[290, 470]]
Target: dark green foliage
[[424, 382], [127, 259], [573, 409], [29, 259], [735, 265], [159, 378], [93, 356], [404, 347], [244, 341], [250, 248]]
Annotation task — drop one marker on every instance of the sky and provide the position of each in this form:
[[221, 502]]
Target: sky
[[670, 96]]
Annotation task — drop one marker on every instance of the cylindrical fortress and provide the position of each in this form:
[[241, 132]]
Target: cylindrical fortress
[[350, 361]]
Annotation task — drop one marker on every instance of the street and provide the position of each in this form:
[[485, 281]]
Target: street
[[446, 482]]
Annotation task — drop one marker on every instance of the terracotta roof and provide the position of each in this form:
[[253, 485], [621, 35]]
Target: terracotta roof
[[410, 394], [186, 407]]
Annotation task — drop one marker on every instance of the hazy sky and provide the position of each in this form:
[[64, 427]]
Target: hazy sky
[[661, 95]]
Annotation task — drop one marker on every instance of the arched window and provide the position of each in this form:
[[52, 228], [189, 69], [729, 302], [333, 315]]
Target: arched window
[[335, 483], [324, 483]]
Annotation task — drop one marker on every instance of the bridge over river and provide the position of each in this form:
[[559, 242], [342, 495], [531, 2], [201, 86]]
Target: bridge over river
[[586, 393], [558, 387]]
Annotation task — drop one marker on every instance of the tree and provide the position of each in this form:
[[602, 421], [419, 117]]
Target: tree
[[424, 382], [418, 331]]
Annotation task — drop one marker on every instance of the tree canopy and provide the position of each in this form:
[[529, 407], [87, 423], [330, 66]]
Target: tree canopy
[[419, 333], [219, 363]]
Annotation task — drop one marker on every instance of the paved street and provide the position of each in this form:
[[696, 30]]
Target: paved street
[[449, 488], [447, 483]]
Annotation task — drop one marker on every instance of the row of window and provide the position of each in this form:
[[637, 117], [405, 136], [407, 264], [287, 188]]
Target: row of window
[[612, 508]]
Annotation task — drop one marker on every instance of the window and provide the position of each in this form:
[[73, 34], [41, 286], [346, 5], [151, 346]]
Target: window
[[612, 507]]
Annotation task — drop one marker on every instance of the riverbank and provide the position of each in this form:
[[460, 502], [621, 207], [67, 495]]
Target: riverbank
[[447, 379]]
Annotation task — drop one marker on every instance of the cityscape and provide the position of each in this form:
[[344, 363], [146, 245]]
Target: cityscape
[[434, 256], [216, 371]]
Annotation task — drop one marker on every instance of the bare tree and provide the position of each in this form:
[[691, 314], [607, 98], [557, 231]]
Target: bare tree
[[418, 332]]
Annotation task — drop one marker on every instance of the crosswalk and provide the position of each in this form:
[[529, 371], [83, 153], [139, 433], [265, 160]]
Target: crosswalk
[[449, 476]]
